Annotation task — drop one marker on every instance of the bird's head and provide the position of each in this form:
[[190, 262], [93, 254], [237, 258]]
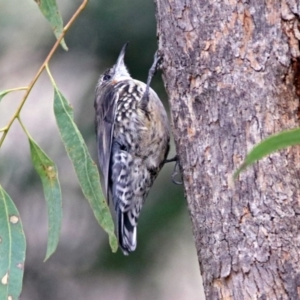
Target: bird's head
[[117, 72]]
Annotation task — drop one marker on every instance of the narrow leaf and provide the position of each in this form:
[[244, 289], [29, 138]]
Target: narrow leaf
[[271, 144], [85, 168], [12, 248], [49, 177], [3, 93], [50, 11]]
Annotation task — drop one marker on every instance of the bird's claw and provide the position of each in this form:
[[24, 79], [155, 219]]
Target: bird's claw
[[155, 65], [176, 170]]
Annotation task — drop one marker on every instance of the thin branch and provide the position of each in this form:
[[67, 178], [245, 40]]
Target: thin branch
[[49, 56]]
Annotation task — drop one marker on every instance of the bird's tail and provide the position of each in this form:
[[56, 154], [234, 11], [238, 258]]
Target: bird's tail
[[126, 232]]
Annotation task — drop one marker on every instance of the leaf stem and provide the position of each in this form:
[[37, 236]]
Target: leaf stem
[[15, 89], [49, 56], [50, 75], [24, 128]]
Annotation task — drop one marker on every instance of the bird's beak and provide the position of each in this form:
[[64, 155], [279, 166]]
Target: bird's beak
[[120, 61], [120, 69]]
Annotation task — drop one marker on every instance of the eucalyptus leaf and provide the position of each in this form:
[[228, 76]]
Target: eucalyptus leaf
[[85, 168], [271, 144], [3, 93], [49, 177], [50, 11], [12, 248]]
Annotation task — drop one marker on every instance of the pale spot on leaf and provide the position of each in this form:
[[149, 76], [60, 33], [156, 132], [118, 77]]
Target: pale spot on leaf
[[4, 279], [20, 266], [14, 219], [50, 172], [9, 298]]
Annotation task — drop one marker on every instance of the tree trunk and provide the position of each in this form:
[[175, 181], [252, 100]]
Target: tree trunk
[[232, 73]]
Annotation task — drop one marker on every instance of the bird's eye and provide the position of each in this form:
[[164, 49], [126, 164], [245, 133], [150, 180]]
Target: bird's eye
[[106, 77]]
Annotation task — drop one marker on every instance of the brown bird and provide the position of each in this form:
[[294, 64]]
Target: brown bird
[[133, 142]]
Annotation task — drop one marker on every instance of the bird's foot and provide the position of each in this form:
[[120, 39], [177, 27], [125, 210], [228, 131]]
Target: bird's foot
[[176, 172], [151, 73]]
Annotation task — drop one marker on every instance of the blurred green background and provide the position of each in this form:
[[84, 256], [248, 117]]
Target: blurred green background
[[165, 265]]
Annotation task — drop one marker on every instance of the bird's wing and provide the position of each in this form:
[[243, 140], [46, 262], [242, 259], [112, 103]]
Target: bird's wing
[[105, 105]]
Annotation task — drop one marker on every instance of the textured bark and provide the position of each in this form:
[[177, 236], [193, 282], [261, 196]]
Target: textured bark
[[232, 73]]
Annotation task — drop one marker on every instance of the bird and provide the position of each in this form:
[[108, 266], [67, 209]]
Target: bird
[[133, 135]]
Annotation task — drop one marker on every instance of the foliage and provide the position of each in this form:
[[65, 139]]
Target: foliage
[[273, 143], [12, 248], [12, 238]]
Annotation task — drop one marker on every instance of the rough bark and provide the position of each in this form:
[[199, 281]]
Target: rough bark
[[231, 70]]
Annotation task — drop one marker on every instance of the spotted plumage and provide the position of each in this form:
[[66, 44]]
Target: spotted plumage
[[133, 143]]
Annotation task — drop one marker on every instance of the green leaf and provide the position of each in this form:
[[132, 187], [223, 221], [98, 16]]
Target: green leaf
[[49, 177], [50, 11], [85, 168], [271, 144], [3, 93], [12, 248]]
